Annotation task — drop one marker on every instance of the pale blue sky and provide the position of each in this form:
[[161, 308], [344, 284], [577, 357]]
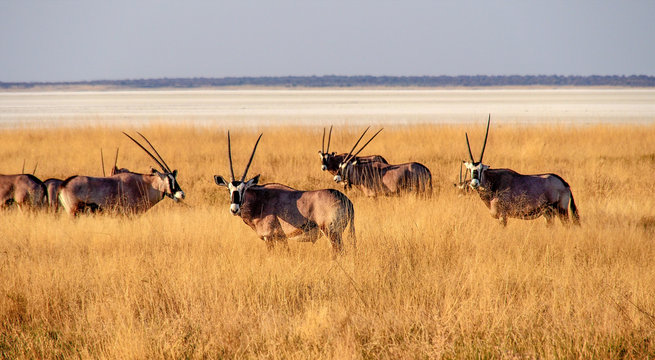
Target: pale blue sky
[[66, 40]]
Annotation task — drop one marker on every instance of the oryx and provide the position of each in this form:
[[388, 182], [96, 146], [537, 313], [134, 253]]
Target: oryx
[[52, 187], [277, 212], [24, 190], [510, 194], [376, 178], [330, 160], [53, 184], [125, 192]]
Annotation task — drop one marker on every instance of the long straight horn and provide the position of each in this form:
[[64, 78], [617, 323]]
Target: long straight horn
[[485, 138], [34, 171], [147, 152], [116, 158], [323, 143], [168, 169], [460, 172], [23, 170], [245, 172], [102, 163], [469, 147], [327, 150], [229, 155], [353, 149], [369, 140]]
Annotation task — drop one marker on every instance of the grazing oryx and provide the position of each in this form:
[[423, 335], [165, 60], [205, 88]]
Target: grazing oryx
[[24, 190], [53, 185], [277, 212], [330, 160], [375, 178], [510, 194], [125, 192]]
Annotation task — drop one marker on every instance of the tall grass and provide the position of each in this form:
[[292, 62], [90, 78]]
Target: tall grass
[[431, 278]]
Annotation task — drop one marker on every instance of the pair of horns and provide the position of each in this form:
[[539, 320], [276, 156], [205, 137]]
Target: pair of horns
[[159, 161], [350, 156], [102, 160], [323, 150], [33, 172], [483, 145], [229, 154]]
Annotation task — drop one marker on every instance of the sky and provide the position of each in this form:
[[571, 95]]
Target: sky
[[66, 40]]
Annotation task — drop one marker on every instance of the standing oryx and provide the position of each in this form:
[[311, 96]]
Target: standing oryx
[[124, 192], [277, 212], [510, 194], [53, 185], [330, 160], [376, 178], [24, 190]]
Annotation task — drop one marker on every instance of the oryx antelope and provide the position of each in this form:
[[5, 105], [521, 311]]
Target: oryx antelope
[[510, 194], [330, 160], [277, 212], [24, 190], [376, 178], [124, 192], [53, 185]]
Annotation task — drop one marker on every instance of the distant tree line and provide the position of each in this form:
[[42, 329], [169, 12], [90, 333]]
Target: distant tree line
[[356, 81]]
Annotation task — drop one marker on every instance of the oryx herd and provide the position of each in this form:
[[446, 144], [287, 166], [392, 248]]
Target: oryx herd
[[277, 212]]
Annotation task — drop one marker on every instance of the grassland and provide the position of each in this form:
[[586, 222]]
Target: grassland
[[431, 278]]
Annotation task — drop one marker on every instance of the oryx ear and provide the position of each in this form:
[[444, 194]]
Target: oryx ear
[[333, 153], [220, 181], [354, 162], [175, 173], [253, 181], [154, 171]]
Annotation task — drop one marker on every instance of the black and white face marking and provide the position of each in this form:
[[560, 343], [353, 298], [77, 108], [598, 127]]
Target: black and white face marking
[[176, 191], [237, 190], [172, 188], [325, 159], [476, 170]]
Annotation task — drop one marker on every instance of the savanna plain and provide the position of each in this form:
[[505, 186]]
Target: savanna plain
[[431, 277]]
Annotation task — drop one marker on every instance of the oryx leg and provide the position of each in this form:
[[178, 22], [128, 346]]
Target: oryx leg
[[549, 215], [334, 235], [311, 234], [271, 232], [496, 212], [563, 208], [270, 242]]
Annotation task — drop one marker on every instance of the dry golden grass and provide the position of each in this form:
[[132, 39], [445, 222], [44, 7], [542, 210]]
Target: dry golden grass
[[431, 278]]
